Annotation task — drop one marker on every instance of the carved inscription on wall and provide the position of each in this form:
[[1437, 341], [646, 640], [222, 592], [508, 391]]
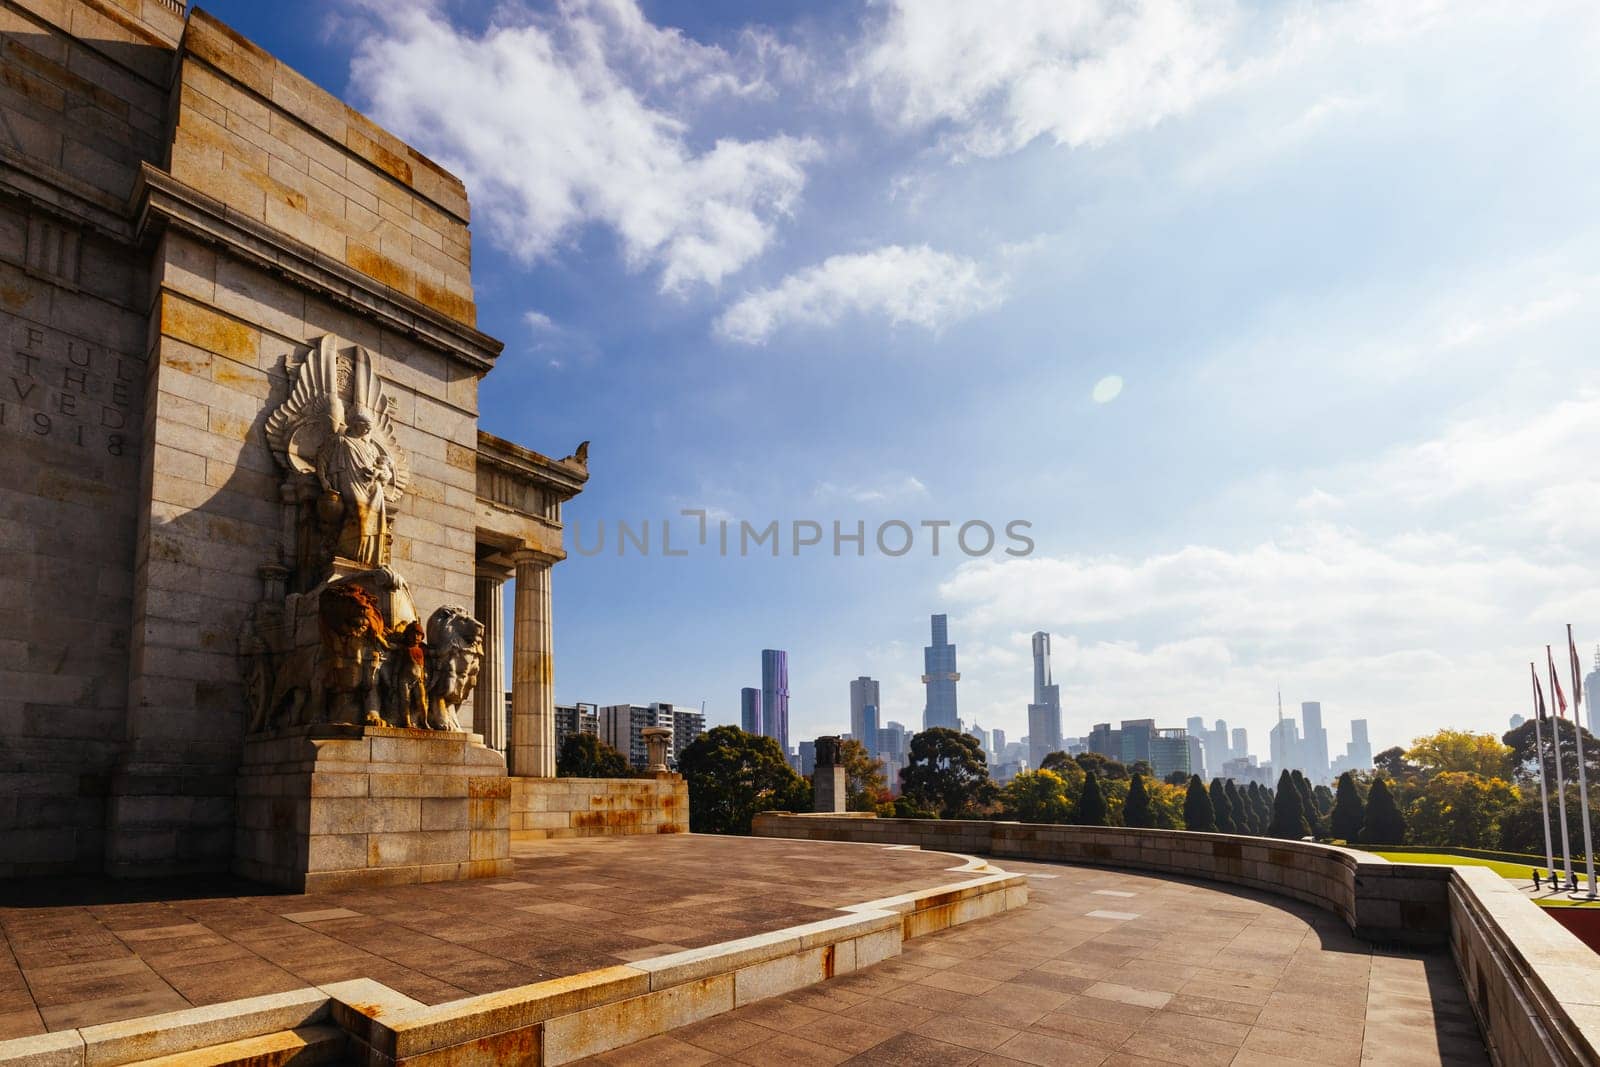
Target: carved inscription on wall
[[68, 391]]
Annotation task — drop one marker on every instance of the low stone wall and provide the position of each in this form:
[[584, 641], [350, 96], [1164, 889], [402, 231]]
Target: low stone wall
[[1534, 986], [598, 807]]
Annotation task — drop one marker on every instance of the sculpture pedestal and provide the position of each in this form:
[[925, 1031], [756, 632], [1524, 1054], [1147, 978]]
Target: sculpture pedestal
[[331, 807]]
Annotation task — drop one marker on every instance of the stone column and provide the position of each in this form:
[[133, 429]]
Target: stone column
[[532, 753], [489, 699], [656, 740]]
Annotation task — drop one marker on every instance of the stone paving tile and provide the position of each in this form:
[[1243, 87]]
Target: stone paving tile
[[123, 950], [1268, 982]]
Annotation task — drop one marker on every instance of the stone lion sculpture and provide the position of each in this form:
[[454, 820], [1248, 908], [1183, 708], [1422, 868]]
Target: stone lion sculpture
[[455, 650]]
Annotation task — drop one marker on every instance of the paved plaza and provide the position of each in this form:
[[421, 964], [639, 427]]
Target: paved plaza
[[1113, 969], [72, 954]]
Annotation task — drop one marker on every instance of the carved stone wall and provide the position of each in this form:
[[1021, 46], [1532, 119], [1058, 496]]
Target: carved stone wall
[[179, 218]]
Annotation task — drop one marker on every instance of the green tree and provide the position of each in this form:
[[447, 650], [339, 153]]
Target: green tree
[[1307, 806], [1383, 825], [1288, 811], [1037, 796], [1519, 825], [1460, 751], [1092, 804], [1102, 766], [1197, 813], [1166, 804], [1136, 809], [1238, 813], [1348, 812], [1263, 806], [1525, 764], [906, 808], [1221, 810], [1460, 809], [586, 756], [865, 784], [733, 775], [1177, 778], [1054, 761], [1322, 800], [947, 773]]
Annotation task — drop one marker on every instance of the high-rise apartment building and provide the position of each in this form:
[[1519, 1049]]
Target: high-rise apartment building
[[999, 737], [622, 725], [863, 693], [775, 696], [940, 676], [750, 710], [1165, 751], [1104, 740], [808, 758], [687, 725], [1241, 742], [1591, 690], [575, 719], [1044, 714]]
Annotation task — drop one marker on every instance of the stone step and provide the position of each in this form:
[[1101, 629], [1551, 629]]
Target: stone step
[[301, 1047]]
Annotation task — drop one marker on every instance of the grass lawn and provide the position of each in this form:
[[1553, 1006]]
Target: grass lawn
[[1515, 872]]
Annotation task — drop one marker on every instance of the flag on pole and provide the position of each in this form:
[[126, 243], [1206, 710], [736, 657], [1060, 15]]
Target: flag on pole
[[1577, 671], [1538, 694], [1555, 683]]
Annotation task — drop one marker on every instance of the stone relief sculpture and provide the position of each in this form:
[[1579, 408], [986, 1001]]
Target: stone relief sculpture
[[455, 641], [334, 435], [336, 637]]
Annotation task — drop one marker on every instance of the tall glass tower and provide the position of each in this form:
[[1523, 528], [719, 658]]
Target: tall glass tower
[[939, 674], [775, 696], [1044, 714], [750, 710]]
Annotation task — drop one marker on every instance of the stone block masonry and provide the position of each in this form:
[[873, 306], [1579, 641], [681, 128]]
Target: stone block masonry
[[337, 807], [183, 221], [548, 808]]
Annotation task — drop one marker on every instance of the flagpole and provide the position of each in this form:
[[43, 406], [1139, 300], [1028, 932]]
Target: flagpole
[[1583, 775], [1538, 749], [1561, 777]]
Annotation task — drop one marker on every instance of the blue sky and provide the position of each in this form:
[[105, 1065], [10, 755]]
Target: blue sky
[[870, 263]]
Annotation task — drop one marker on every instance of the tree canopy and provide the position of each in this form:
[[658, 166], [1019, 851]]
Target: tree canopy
[[1136, 809], [733, 775], [1348, 811], [586, 756], [1103, 766], [1288, 811], [947, 773], [1221, 810], [1037, 796], [1460, 808], [1524, 765], [1197, 812], [1460, 751], [865, 785], [1092, 809], [1384, 825]]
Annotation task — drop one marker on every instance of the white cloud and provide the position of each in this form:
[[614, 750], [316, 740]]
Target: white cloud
[[538, 322], [592, 124], [1079, 73], [908, 286], [1400, 613], [890, 490]]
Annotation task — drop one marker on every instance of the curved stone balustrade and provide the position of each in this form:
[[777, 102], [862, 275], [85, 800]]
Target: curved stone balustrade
[[1534, 986]]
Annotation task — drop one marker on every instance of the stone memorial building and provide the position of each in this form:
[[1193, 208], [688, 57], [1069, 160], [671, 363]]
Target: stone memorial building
[[254, 542]]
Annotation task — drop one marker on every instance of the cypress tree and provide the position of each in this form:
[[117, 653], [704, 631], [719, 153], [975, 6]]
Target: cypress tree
[[1261, 806], [1383, 825], [1242, 823], [1221, 810], [1136, 809], [1322, 797], [1288, 812], [1345, 823], [1197, 813], [1092, 803], [1303, 787]]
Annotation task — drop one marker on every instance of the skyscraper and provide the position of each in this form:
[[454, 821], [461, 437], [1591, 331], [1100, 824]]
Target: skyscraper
[[1359, 752], [863, 692], [869, 729], [1241, 742], [1591, 689], [1314, 745], [939, 674], [750, 710], [1044, 714], [775, 696]]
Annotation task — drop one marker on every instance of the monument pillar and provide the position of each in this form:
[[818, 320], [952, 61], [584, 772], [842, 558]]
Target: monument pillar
[[829, 783], [532, 752], [488, 700]]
